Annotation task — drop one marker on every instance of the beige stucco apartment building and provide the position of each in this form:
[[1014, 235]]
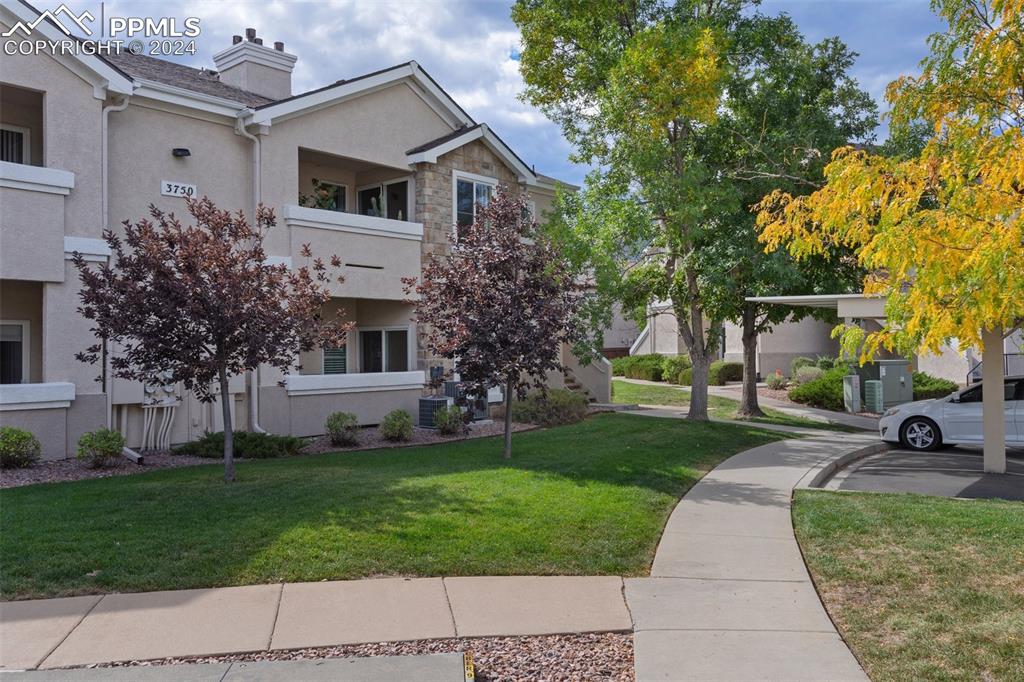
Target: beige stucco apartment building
[[89, 142]]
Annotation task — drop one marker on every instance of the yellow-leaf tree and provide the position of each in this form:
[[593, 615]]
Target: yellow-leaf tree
[[941, 232]]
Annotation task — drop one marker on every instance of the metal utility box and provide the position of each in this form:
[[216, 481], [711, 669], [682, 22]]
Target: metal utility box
[[429, 406], [896, 377], [851, 393], [873, 395]]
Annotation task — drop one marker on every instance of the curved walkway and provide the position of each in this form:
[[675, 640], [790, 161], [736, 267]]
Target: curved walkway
[[729, 597]]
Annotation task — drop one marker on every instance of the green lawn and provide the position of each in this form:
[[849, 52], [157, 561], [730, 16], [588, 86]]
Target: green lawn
[[585, 499], [923, 588], [628, 393]]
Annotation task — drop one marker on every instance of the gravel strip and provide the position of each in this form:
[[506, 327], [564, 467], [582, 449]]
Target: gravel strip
[[369, 438], [600, 657]]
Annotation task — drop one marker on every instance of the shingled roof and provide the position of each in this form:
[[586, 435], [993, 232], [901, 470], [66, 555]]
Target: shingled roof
[[197, 80]]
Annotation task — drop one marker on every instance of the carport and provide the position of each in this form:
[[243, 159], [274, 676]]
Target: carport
[[870, 310]]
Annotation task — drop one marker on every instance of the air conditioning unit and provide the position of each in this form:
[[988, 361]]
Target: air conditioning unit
[[457, 392], [429, 407]]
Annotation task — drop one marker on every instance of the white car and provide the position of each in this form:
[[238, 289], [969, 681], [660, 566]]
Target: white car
[[953, 420]]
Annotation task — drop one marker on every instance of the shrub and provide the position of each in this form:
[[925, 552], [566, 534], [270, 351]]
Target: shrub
[[722, 371], [97, 448], [342, 428], [685, 377], [825, 392], [673, 365], [397, 425], [450, 420], [799, 362], [558, 407], [927, 386], [776, 382], [826, 363], [18, 448], [619, 365], [807, 374], [647, 367], [248, 445]]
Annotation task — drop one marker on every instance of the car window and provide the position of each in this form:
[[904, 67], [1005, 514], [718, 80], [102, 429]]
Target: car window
[[972, 395], [1012, 390]]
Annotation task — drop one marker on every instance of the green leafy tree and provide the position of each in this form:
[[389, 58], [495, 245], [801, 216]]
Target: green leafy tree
[[692, 112]]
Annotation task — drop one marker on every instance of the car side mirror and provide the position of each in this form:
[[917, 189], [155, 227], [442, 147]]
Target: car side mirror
[[954, 398]]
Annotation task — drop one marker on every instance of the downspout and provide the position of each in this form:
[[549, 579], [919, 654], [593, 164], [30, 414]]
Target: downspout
[[105, 222], [254, 388]]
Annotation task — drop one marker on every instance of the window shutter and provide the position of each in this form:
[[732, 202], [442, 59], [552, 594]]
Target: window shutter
[[336, 360]]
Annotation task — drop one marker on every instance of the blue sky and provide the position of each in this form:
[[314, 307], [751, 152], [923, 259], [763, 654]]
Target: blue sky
[[469, 48]]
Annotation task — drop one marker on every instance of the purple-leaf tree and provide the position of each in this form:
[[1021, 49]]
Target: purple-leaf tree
[[198, 304], [499, 304]]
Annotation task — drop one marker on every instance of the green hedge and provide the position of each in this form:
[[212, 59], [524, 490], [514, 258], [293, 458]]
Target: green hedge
[[722, 371], [825, 392], [558, 407], [649, 367], [801, 361], [685, 377], [248, 445], [673, 366], [927, 386]]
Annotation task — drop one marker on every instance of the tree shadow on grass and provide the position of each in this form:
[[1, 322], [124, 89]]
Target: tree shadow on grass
[[574, 499]]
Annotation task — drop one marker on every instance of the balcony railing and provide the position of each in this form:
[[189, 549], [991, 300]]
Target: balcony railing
[[302, 216], [321, 384]]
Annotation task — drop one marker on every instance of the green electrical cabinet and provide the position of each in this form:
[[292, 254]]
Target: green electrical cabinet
[[873, 394]]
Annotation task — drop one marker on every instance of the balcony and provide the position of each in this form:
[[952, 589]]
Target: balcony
[[322, 384], [32, 227], [376, 253]]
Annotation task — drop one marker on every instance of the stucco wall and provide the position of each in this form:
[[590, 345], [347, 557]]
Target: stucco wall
[[58, 429], [305, 415], [25, 110], [141, 140], [71, 131]]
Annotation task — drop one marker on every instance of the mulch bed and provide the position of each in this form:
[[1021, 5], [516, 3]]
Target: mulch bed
[[369, 438], [599, 657]]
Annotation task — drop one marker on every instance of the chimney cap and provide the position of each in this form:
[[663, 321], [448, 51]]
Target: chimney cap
[[258, 41], [236, 39], [250, 34], [279, 46]]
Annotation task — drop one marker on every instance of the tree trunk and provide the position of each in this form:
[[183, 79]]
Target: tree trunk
[[507, 454], [229, 440], [748, 397], [699, 385]]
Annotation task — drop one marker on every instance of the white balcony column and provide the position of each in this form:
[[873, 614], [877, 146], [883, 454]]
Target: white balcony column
[[992, 406]]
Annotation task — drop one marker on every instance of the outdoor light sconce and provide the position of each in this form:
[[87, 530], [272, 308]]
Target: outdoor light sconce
[[180, 152]]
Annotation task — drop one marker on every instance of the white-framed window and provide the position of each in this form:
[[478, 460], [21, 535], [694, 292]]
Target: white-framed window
[[469, 193], [383, 349], [15, 144], [14, 351], [389, 199]]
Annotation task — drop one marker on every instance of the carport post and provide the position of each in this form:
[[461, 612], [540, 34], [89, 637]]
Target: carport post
[[992, 407]]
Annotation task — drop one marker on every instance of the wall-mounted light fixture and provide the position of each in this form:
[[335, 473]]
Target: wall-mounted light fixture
[[180, 152]]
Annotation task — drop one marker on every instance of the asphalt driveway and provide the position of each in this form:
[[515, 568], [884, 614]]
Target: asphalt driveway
[[953, 472]]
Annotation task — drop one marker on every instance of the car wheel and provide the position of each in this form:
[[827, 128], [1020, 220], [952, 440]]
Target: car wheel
[[919, 433]]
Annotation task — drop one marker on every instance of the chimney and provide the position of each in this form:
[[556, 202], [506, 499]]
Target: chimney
[[250, 65]]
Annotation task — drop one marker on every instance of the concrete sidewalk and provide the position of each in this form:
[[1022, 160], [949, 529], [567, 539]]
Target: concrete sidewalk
[[729, 597], [732, 392], [432, 667], [53, 633]]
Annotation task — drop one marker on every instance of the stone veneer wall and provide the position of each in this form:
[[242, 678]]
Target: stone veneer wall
[[434, 189]]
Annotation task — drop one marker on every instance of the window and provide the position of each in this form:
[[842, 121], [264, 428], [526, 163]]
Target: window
[[386, 200], [14, 352], [975, 395], [384, 350], [14, 144], [336, 360], [334, 199], [471, 192]]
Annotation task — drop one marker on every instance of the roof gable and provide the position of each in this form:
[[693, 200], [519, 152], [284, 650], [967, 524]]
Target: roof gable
[[410, 72], [430, 151]]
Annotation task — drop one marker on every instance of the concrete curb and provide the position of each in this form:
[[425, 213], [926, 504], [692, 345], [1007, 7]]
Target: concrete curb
[[820, 474]]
